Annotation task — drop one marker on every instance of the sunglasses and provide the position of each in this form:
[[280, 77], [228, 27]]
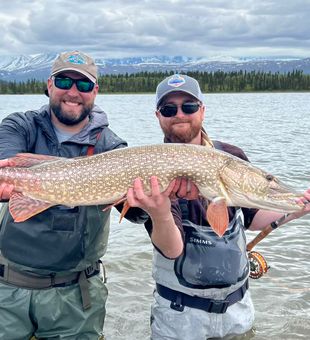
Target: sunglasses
[[170, 110], [65, 83]]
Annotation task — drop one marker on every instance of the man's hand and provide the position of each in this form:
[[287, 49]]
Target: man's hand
[[165, 235], [184, 188], [153, 203], [306, 199]]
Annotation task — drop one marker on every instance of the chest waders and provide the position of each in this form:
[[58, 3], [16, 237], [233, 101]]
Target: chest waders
[[33, 281], [203, 266]]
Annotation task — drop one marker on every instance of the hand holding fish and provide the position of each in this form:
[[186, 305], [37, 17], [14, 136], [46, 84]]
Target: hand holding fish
[[184, 188], [152, 203], [306, 201], [165, 234], [156, 203]]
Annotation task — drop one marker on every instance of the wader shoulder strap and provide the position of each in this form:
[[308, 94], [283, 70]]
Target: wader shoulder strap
[[91, 148]]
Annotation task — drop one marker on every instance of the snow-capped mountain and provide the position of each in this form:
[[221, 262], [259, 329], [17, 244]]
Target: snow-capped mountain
[[25, 67]]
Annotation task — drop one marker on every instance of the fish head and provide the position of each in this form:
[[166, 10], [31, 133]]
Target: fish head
[[251, 187]]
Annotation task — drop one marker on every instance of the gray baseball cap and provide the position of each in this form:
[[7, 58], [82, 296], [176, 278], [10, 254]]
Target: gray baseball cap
[[178, 83], [75, 61]]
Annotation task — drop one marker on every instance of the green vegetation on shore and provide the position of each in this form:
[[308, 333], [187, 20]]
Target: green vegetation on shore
[[210, 82]]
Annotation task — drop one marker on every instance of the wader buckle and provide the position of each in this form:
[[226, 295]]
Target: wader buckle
[[218, 306], [89, 271], [177, 304]]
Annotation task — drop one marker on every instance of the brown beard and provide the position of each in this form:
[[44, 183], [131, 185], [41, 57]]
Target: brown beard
[[67, 120], [174, 137]]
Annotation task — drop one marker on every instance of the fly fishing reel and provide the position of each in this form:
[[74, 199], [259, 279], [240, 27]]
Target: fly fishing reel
[[258, 265]]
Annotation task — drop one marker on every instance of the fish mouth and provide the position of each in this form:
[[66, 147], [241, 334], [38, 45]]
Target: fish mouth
[[280, 198], [282, 188], [280, 202]]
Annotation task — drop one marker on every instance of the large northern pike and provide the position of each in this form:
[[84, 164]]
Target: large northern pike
[[44, 181]]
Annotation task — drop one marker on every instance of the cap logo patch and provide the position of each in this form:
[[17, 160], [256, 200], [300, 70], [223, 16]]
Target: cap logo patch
[[176, 81], [76, 59]]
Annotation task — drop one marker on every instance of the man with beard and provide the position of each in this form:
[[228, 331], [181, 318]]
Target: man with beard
[[51, 282], [201, 279]]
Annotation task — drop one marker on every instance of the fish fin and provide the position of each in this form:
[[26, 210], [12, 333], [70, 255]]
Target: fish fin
[[217, 215], [109, 206], [26, 160], [124, 211], [23, 207]]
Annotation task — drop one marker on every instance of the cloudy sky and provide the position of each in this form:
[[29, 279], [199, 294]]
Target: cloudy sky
[[126, 28]]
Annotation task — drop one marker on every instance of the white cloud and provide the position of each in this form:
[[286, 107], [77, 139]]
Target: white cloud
[[122, 28]]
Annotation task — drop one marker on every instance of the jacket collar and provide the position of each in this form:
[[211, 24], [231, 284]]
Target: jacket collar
[[98, 120]]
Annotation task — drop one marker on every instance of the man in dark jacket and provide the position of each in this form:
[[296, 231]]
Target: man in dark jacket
[[50, 281]]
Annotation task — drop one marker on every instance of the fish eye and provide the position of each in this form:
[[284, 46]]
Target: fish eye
[[269, 178]]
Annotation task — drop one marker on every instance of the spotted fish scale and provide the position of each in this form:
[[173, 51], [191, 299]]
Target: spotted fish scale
[[43, 181]]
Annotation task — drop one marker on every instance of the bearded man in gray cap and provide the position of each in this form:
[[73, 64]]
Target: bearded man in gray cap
[[51, 284], [201, 279]]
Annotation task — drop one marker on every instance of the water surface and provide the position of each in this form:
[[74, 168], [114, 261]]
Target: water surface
[[273, 129]]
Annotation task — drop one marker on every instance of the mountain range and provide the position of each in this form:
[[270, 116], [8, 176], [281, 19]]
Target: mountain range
[[25, 67]]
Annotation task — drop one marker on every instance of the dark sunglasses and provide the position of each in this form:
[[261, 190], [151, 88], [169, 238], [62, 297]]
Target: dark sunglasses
[[65, 83], [170, 110]]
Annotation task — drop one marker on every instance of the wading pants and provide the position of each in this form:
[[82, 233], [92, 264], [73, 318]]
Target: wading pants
[[54, 313], [196, 324]]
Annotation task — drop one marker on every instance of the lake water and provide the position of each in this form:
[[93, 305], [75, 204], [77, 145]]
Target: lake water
[[274, 130]]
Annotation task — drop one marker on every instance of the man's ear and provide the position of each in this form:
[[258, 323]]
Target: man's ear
[[49, 86]]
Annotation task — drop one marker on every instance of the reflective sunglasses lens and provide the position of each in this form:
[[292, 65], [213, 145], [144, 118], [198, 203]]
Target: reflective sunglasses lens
[[84, 85], [168, 110], [190, 108], [63, 83]]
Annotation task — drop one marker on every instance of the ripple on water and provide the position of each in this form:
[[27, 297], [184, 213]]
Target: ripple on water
[[273, 130]]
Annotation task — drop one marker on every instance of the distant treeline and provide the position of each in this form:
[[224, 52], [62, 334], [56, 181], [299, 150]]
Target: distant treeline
[[146, 82]]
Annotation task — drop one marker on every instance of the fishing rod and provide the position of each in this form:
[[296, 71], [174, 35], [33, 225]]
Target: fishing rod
[[258, 264]]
